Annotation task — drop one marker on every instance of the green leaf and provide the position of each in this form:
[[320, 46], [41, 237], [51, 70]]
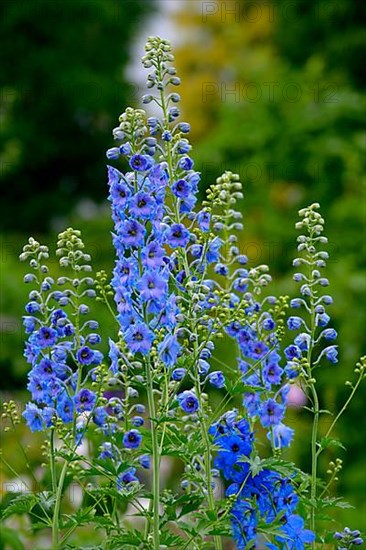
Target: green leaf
[[326, 442], [21, 504]]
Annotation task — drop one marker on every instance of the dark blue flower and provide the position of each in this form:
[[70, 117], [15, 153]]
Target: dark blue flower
[[132, 439], [126, 477], [188, 401], [132, 233], [177, 235], [141, 163], [293, 352], [46, 337], [186, 163], [178, 374], [85, 355], [85, 400], [181, 188], [142, 205]]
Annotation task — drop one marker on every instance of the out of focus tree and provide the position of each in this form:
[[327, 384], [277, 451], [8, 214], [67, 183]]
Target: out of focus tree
[[61, 85], [292, 125]]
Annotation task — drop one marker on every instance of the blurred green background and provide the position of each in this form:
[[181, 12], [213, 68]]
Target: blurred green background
[[274, 90]]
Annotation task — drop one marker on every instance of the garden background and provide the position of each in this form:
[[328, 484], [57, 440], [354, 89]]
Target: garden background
[[274, 90]]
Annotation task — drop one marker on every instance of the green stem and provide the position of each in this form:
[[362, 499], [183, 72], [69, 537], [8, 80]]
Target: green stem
[[52, 461], [56, 514], [315, 402], [342, 409], [156, 459]]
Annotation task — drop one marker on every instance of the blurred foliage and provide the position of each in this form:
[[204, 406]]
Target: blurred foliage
[[61, 84]]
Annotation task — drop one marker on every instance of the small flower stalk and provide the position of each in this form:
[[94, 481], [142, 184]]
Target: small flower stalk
[[158, 396]]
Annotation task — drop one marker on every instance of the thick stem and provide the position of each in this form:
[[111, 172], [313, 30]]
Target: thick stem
[[156, 459], [56, 513]]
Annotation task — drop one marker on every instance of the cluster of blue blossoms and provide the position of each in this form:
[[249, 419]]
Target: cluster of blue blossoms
[[60, 347], [262, 497]]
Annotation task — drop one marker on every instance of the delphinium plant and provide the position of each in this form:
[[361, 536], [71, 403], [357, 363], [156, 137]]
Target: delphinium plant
[[179, 286]]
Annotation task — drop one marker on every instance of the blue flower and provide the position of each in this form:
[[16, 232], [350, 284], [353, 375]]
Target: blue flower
[[293, 352], [137, 421], [177, 235], [125, 272], [65, 408], [271, 413], [120, 193], [85, 400], [141, 163], [294, 323], [282, 435], [188, 401], [216, 379], [142, 205], [46, 368], [181, 188], [169, 349], [114, 355], [126, 477], [46, 337], [85, 355], [152, 286], [178, 374], [331, 353], [32, 307], [272, 373], [132, 439], [34, 417], [297, 535], [100, 416], [139, 338], [112, 153], [152, 255], [213, 251], [144, 461], [186, 163], [329, 334], [203, 220], [268, 323], [132, 233]]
